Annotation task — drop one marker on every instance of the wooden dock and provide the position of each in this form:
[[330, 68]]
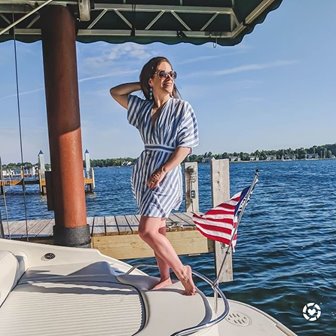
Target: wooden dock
[[88, 183], [117, 236]]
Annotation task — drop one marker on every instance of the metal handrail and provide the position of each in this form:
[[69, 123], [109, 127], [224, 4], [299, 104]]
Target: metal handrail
[[215, 289]]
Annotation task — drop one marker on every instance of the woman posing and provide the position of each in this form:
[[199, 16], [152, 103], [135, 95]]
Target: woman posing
[[168, 128]]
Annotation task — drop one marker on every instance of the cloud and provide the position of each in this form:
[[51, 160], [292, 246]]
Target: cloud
[[199, 59], [22, 93], [253, 67], [120, 52], [112, 74], [242, 68]]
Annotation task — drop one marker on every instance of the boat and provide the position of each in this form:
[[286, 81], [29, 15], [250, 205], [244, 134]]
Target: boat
[[55, 290]]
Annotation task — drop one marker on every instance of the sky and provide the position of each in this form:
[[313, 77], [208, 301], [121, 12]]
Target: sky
[[274, 90]]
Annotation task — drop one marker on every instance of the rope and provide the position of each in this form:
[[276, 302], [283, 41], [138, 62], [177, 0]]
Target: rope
[[20, 130], [6, 212]]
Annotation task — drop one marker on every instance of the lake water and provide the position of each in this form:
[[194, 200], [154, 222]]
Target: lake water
[[285, 256]]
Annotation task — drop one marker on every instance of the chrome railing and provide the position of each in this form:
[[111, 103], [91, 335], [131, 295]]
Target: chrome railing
[[217, 292]]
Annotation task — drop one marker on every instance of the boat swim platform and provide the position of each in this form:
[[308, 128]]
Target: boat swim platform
[[117, 236]]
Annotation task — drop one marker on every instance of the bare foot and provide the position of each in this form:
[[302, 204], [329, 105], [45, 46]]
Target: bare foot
[[162, 284], [187, 281]]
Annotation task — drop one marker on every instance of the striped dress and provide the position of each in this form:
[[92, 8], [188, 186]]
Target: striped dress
[[176, 126]]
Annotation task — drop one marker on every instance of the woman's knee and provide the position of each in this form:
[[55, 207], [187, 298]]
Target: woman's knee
[[145, 233], [149, 227]]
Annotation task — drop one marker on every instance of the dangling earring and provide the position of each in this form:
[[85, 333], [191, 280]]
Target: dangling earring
[[150, 93]]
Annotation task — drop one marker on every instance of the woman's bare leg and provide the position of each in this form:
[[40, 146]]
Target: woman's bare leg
[[149, 232], [164, 268]]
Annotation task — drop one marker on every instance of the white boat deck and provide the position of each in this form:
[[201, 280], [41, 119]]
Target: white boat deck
[[52, 290]]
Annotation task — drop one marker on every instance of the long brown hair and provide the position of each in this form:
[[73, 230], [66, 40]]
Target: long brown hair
[[148, 71]]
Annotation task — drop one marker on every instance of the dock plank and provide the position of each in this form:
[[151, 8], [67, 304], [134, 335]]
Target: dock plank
[[186, 219], [111, 225], [36, 226], [98, 226], [19, 229], [133, 221], [48, 229], [175, 223], [122, 225]]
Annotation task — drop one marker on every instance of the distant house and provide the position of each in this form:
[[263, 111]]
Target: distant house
[[206, 159], [254, 158], [312, 156], [234, 158], [271, 157], [126, 163]]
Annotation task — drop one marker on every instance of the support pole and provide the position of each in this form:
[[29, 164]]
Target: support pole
[[220, 183], [61, 86]]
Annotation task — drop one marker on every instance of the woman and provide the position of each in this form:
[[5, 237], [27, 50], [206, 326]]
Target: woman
[[168, 128]]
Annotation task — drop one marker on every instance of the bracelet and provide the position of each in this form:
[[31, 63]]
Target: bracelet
[[163, 169]]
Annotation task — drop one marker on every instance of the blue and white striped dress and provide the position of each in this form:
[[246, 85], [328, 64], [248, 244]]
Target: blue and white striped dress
[[176, 126]]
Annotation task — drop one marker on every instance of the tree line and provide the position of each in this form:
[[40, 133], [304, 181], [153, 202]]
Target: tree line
[[323, 152]]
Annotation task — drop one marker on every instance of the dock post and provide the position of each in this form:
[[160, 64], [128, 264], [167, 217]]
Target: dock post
[[191, 186], [93, 178], [64, 127], [41, 172], [220, 183], [87, 164]]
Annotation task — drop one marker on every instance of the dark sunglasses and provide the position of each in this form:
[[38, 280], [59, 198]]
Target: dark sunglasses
[[165, 74]]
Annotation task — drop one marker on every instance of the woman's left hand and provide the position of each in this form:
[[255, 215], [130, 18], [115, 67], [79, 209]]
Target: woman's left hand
[[156, 178]]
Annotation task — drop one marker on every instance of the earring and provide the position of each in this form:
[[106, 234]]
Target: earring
[[150, 93]]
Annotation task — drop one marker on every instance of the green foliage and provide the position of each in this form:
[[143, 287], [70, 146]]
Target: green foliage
[[323, 152], [112, 162]]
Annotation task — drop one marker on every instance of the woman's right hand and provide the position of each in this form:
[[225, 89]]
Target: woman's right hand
[[156, 178], [120, 92]]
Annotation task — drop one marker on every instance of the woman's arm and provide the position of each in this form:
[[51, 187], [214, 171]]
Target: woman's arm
[[175, 159], [120, 92]]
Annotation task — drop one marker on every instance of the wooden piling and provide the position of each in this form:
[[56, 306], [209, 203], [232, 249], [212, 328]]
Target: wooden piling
[[220, 183]]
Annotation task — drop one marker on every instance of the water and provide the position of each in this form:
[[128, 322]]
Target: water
[[285, 256]]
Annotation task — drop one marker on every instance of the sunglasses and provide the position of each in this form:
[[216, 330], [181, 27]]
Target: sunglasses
[[165, 74]]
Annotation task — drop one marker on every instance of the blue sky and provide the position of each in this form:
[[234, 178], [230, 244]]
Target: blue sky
[[276, 89]]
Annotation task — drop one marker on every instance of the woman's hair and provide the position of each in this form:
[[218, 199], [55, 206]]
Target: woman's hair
[[148, 71]]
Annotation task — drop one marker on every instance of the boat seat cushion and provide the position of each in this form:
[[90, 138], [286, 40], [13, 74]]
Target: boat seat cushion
[[100, 271], [72, 307], [10, 273]]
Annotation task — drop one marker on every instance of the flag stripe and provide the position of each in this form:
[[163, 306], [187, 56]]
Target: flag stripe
[[209, 228], [221, 222], [213, 224], [223, 240]]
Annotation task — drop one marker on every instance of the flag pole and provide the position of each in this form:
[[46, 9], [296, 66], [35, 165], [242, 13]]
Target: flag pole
[[246, 198]]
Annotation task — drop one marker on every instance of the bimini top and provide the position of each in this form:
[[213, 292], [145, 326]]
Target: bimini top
[[224, 22]]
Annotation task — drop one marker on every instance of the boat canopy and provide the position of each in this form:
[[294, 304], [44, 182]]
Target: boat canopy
[[224, 22]]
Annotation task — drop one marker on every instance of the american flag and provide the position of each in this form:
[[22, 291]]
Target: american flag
[[221, 222]]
